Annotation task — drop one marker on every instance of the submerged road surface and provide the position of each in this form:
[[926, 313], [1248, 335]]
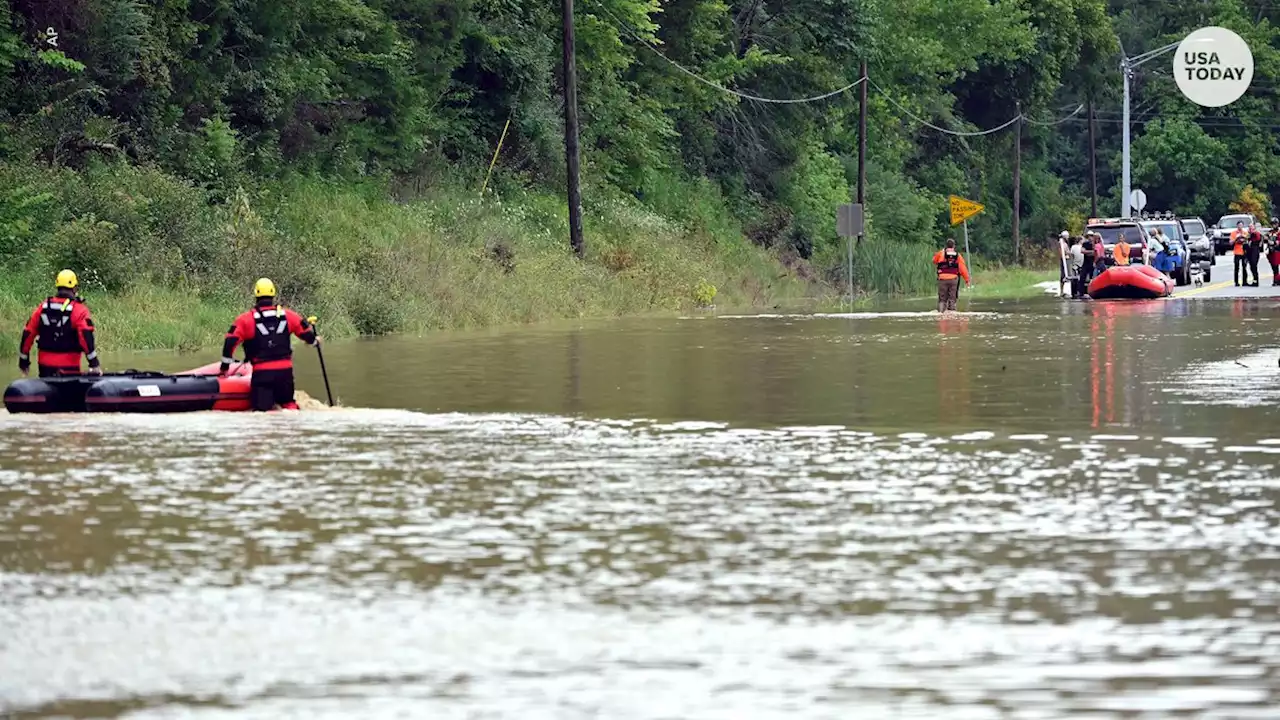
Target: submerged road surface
[[1031, 510]]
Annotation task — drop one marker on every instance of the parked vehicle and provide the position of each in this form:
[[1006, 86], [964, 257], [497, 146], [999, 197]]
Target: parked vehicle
[[1198, 240], [1110, 229], [1221, 231]]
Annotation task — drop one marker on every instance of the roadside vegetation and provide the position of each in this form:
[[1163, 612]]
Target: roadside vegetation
[[171, 152], [163, 267]]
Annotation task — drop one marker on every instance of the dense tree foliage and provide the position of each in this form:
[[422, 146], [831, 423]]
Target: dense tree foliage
[[223, 93]]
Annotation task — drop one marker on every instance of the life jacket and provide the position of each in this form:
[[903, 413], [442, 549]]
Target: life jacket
[[271, 335], [949, 264], [1121, 253], [57, 334], [1237, 242]]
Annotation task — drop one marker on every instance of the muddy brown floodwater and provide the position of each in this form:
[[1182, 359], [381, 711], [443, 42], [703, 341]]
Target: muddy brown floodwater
[[1034, 510]]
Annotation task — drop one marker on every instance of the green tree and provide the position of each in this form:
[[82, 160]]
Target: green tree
[[1182, 168]]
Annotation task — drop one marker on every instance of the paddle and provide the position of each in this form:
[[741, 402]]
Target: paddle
[[323, 372]]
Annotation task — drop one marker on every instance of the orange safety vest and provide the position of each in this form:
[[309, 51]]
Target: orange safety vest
[[949, 265], [1121, 253], [1237, 242]]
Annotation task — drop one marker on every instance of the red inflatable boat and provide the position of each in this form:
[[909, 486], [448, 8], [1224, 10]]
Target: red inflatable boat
[[133, 391], [1130, 282]]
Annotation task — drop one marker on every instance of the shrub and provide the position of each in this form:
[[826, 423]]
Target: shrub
[[91, 248], [704, 294]]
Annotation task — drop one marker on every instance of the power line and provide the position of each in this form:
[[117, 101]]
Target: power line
[[931, 126], [1148, 116], [815, 98], [711, 83], [1202, 122], [1059, 121], [974, 133]]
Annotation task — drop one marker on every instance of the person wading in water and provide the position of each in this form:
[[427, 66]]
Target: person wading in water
[[951, 268], [62, 329], [265, 331], [1086, 273]]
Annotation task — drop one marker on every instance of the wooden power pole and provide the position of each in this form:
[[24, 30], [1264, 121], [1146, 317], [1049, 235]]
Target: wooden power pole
[[571, 131], [1017, 183], [1093, 167]]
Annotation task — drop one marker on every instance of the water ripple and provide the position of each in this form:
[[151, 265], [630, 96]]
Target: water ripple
[[365, 562]]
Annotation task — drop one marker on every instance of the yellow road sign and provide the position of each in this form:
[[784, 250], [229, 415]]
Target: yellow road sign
[[962, 209]]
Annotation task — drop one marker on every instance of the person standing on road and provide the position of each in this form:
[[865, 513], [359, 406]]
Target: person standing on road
[[951, 268], [1239, 237], [1086, 270], [1064, 247], [1075, 271], [1253, 251], [62, 330], [1120, 253], [1159, 253], [1273, 255]]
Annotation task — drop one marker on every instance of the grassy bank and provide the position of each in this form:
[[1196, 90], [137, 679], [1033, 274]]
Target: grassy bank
[[904, 269], [165, 266], [999, 282]]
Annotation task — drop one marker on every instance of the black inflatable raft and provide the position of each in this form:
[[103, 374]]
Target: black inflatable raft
[[130, 391]]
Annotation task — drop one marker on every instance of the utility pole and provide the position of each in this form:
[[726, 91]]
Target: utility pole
[[571, 131], [1093, 166], [1017, 183], [862, 140], [1126, 186], [1127, 66]]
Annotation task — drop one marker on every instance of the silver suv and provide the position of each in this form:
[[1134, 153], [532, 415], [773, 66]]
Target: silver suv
[[1198, 240]]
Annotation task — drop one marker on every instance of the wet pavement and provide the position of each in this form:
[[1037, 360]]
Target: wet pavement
[[1222, 283]]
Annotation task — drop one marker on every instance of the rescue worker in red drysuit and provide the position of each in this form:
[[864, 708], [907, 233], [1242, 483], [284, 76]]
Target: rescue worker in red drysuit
[[1273, 256], [265, 332], [1253, 251], [62, 329]]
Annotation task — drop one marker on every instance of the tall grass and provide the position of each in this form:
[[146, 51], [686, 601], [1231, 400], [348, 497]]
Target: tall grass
[[163, 267], [893, 268], [906, 269]]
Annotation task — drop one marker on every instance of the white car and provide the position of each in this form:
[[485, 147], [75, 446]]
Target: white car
[[1221, 231]]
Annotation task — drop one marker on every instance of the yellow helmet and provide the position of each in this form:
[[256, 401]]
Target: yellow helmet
[[264, 288], [67, 279]]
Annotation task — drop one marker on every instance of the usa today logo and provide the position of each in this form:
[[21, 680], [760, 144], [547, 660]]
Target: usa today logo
[[1213, 67]]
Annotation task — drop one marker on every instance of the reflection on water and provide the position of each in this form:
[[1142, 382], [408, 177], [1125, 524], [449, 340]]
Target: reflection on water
[[1016, 514]]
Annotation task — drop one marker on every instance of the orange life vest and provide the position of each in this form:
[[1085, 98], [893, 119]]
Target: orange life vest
[[1121, 253], [949, 265]]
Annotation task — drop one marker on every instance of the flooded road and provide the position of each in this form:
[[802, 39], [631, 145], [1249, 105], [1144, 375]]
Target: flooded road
[[1036, 510]]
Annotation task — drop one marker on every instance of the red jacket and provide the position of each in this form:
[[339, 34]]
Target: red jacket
[[265, 331], [62, 329]]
